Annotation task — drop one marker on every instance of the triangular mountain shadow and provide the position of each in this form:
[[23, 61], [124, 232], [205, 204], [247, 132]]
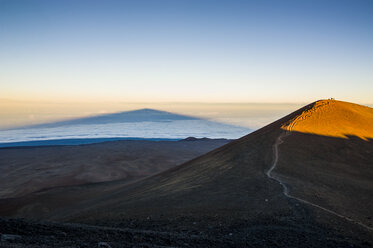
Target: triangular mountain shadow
[[137, 124], [140, 115]]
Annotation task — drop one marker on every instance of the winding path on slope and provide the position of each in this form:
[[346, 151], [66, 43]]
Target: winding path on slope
[[278, 142]]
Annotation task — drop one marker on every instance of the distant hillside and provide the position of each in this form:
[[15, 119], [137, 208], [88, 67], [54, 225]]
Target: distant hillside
[[26, 170]]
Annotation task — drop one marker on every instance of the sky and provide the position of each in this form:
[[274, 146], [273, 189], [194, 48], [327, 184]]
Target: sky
[[204, 51], [98, 55]]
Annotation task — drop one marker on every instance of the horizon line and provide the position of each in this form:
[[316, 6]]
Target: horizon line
[[173, 102]]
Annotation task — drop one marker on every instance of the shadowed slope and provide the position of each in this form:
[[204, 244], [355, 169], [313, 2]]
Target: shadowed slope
[[334, 173]]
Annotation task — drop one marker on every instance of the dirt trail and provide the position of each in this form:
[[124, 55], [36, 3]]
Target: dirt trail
[[278, 142]]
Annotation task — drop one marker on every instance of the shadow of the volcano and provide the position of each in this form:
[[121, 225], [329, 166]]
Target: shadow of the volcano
[[335, 173]]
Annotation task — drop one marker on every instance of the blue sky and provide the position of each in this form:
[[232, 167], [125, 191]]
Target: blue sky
[[188, 51]]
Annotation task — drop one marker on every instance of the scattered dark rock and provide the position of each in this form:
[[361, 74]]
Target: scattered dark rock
[[10, 237], [103, 245]]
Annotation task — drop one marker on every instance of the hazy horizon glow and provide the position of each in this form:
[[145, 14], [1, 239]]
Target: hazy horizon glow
[[251, 115], [192, 51]]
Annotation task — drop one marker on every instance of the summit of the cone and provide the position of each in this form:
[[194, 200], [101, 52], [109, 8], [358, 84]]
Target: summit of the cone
[[333, 118]]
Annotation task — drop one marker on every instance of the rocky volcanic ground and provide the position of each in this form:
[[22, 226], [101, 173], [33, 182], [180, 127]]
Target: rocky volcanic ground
[[192, 233]]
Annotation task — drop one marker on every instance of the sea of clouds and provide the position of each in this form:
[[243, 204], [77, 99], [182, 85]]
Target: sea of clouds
[[175, 129]]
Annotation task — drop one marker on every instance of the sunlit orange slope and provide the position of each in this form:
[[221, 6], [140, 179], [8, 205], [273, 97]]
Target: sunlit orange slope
[[334, 118]]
